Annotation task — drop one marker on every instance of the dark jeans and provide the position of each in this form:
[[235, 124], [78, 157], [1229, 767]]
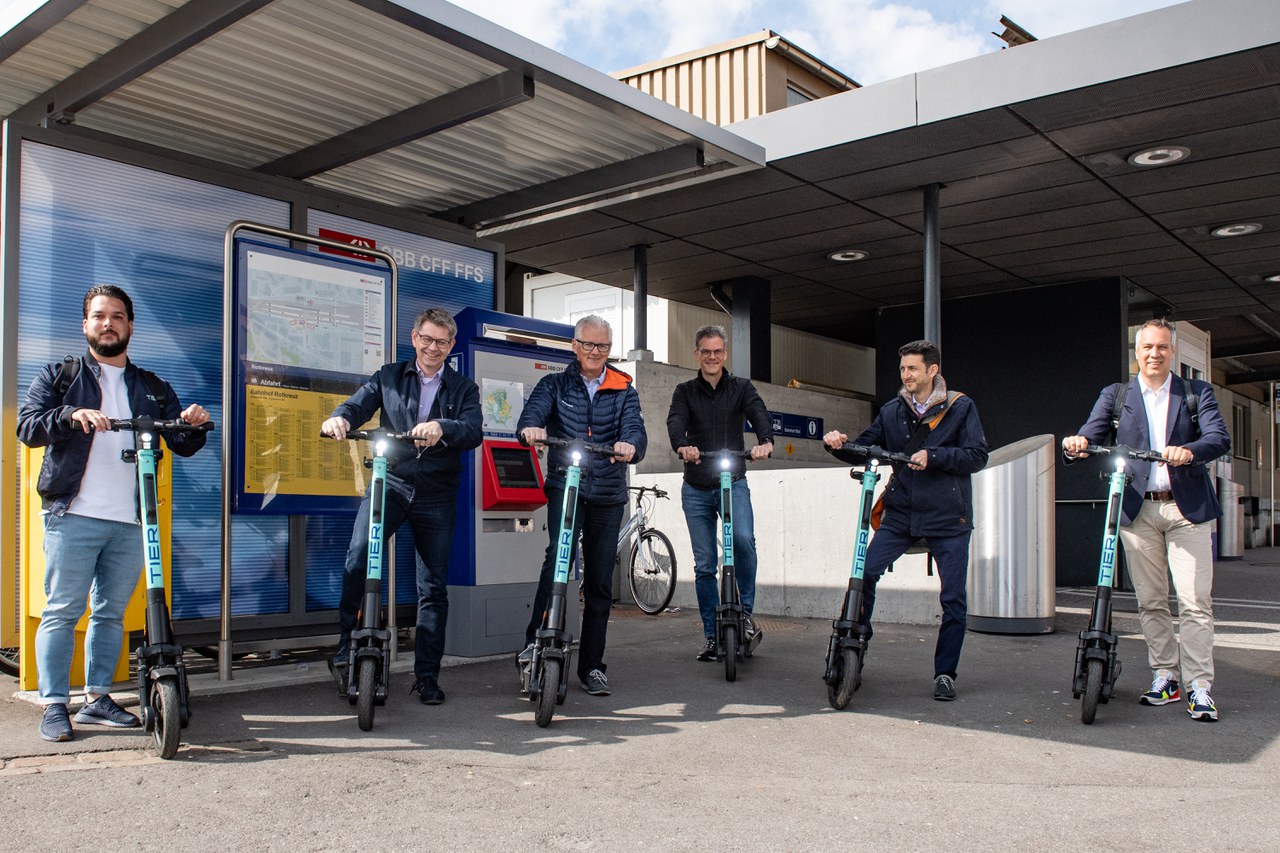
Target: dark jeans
[[432, 525], [951, 554], [598, 525]]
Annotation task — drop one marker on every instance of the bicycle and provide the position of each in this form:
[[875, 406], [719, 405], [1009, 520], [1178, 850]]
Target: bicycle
[[651, 565], [545, 676], [162, 676], [1097, 667], [367, 679], [847, 649]]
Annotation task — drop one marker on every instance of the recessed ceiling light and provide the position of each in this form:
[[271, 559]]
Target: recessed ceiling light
[[1239, 230], [1161, 156], [1274, 279], [846, 255]]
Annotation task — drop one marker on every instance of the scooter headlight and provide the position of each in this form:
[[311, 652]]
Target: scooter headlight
[[724, 464], [577, 457], [381, 447], [145, 437]]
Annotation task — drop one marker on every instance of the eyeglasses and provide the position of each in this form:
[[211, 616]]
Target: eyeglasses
[[707, 353], [592, 346], [432, 343]]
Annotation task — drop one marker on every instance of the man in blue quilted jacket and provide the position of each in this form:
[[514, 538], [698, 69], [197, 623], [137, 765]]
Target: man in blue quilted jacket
[[932, 498], [589, 401]]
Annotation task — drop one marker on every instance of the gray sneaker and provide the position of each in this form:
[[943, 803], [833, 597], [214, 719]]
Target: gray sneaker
[[944, 688], [103, 711], [56, 725], [596, 684]]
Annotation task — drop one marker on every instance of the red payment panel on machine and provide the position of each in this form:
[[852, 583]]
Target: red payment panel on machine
[[511, 477]]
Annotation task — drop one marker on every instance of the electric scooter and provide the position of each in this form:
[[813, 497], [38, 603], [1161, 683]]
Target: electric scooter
[[1097, 667], [368, 671], [847, 649], [732, 643], [546, 677], [162, 675]]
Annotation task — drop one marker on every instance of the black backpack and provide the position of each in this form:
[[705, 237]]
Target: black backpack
[[69, 368]]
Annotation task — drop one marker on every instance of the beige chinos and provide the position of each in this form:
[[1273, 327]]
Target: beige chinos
[[1160, 536]]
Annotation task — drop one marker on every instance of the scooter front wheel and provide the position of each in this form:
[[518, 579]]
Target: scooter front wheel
[[164, 707], [848, 679], [1092, 690], [730, 648], [548, 688], [366, 686]]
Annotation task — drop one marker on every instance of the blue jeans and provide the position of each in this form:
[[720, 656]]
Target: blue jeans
[[598, 525], [85, 558], [951, 555], [432, 525], [702, 513]]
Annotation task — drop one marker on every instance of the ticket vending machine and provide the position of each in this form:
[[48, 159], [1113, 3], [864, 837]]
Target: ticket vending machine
[[501, 535]]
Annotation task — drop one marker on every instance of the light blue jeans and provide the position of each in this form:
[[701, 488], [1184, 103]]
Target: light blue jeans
[[85, 559], [702, 513]]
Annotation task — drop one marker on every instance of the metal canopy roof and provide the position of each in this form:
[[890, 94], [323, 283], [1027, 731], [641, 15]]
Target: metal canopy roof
[[1031, 146], [413, 104]]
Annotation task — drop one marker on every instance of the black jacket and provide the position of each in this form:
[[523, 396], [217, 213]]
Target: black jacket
[[45, 421], [711, 419], [395, 390], [560, 405]]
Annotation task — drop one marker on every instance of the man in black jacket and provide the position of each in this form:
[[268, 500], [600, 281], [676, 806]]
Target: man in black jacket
[[441, 408], [89, 494], [930, 499], [706, 415]]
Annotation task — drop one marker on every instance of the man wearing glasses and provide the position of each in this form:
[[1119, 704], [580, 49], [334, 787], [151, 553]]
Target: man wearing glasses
[[707, 415], [593, 402], [441, 408]]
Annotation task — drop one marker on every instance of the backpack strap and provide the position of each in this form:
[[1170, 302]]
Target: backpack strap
[[67, 371], [156, 386]]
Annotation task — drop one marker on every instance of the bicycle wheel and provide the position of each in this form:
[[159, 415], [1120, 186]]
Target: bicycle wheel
[[9, 660], [1092, 690], [164, 705], [848, 678], [730, 649], [548, 687], [367, 672], [652, 572]]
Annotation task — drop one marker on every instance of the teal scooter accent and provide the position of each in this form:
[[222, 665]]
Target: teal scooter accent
[[162, 675], [847, 648]]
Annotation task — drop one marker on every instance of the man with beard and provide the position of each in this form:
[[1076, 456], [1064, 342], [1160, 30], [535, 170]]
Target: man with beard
[[90, 507]]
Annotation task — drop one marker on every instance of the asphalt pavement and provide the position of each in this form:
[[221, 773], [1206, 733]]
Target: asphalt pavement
[[679, 759]]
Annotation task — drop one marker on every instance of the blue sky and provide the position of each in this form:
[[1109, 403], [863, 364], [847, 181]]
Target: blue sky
[[869, 40]]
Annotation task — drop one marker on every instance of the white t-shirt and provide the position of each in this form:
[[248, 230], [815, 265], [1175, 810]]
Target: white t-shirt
[[108, 490], [1157, 405]]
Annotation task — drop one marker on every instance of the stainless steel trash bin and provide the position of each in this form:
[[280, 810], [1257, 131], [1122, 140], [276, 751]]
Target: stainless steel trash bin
[[1012, 561], [1231, 524]]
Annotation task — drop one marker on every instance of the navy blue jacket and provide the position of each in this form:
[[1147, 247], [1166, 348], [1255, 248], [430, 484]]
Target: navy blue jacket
[[1192, 487], [44, 421], [560, 405], [937, 501], [395, 390]]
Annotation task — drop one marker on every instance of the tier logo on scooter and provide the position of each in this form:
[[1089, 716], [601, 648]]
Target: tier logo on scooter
[[155, 569], [861, 555], [727, 537], [1108, 557], [375, 546]]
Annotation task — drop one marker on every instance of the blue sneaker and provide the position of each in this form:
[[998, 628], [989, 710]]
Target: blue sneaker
[[1200, 704], [1164, 689], [56, 725], [103, 711]]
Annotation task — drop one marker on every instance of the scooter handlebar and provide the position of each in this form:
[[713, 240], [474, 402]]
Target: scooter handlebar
[[145, 424], [601, 449], [374, 435], [1127, 452], [856, 454]]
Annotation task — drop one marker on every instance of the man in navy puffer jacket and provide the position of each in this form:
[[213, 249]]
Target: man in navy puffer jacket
[[930, 499], [592, 402]]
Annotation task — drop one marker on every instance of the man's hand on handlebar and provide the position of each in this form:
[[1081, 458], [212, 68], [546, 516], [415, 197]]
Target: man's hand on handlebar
[[1074, 445], [427, 434], [194, 415], [835, 439], [624, 450], [761, 451], [336, 428], [532, 434], [691, 455]]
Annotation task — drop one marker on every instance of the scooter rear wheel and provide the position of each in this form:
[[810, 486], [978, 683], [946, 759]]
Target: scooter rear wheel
[[164, 705], [1092, 690], [730, 648], [366, 686], [848, 679], [548, 688]]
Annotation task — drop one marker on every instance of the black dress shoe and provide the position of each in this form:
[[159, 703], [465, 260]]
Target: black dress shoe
[[429, 692], [709, 652]]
